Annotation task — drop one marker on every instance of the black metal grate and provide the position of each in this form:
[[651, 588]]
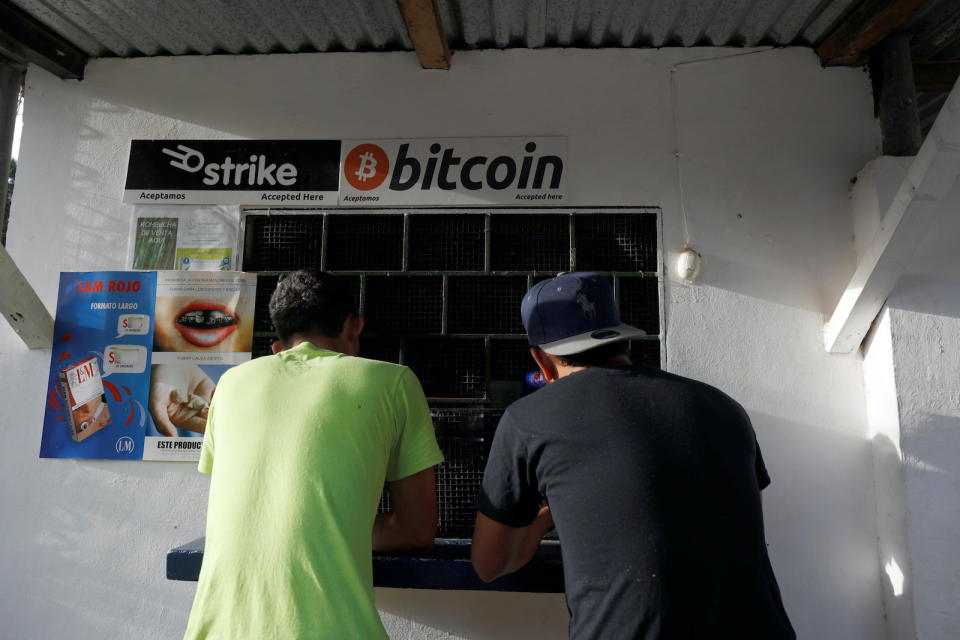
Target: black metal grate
[[283, 243], [446, 242], [262, 345], [486, 304], [385, 349], [364, 243], [404, 305], [639, 303], [645, 352], [609, 242], [261, 313], [510, 363], [510, 360], [464, 437], [448, 367], [529, 242], [352, 283]]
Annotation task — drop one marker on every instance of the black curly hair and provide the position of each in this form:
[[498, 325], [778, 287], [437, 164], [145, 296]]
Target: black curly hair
[[310, 301]]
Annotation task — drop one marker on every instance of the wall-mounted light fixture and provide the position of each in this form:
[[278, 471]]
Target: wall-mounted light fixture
[[688, 264]]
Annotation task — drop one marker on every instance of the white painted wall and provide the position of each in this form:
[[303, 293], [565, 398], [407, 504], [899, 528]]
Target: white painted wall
[[925, 329], [768, 144], [876, 186], [883, 419]]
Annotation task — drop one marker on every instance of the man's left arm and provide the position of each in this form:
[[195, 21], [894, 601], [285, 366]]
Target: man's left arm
[[412, 520]]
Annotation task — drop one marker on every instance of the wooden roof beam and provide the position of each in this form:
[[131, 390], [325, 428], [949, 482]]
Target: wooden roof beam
[[24, 39], [864, 28], [426, 32]]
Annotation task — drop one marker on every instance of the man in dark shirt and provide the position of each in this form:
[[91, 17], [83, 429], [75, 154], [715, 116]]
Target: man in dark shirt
[[653, 483]]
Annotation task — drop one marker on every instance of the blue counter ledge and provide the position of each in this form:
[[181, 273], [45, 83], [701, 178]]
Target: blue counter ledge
[[446, 566]]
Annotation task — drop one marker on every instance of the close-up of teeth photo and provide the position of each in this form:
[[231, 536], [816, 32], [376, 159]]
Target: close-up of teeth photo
[[206, 319]]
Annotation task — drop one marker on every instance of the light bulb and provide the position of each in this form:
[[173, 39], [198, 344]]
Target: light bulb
[[688, 264]]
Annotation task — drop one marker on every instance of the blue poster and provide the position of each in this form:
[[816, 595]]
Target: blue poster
[[137, 356], [99, 381]]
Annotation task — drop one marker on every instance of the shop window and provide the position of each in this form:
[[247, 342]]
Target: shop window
[[441, 293]]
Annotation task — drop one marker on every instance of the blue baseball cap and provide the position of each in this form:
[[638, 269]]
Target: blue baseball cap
[[572, 313]]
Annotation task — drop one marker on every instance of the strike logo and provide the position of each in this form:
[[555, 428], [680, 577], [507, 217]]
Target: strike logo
[[366, 167]]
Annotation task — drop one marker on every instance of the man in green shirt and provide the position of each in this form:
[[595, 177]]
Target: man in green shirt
[[298, 446]]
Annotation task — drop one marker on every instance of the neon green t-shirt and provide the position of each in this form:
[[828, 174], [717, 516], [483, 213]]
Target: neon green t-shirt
[[298, 446]]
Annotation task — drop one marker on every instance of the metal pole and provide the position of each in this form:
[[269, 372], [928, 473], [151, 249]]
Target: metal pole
[[11, 79]]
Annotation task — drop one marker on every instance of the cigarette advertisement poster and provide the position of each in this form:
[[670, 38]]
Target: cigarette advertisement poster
[[136, 359], [186, 238]]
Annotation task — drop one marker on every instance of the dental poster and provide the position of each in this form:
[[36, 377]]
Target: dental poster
[[136, 359], [186, 238], [203, 325]]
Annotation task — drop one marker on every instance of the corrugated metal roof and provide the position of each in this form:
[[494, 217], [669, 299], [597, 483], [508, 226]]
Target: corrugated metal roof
[[128, 28], [935, 31], [638, 23]]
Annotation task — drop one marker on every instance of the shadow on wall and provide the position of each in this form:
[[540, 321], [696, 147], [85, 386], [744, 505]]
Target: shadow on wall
[[478, 615], [820, 517], [89, 560], [930, 283], [767, 144], [927, 294], [737, 273], [84, 225], [96, 222]]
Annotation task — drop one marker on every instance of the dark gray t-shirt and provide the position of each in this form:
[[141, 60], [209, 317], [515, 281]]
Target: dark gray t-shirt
[[654, 484]]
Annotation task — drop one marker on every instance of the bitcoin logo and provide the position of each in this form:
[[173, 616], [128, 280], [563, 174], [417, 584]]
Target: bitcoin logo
[[366, 167]]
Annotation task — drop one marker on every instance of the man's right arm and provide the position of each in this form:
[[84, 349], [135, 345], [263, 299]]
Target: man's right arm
[[510, 521], [498, 549], [412, 524]]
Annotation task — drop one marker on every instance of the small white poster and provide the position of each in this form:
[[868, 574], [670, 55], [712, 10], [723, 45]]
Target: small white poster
[[184, 237]]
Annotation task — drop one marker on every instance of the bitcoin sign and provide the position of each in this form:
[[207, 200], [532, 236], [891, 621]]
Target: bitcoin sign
[[454, 171]]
